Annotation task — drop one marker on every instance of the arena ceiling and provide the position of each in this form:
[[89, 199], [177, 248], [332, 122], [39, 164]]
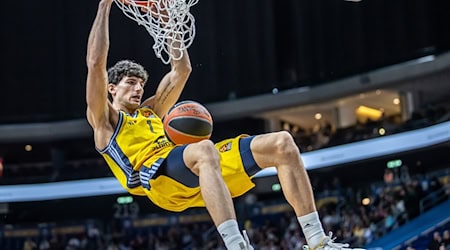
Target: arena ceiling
[[254, 48], [416, 83]]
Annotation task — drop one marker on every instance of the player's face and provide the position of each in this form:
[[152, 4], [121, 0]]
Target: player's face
[[128, 92]]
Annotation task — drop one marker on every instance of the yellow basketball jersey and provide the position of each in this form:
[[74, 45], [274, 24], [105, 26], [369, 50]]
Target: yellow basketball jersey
[[136, 151], [138, 141]]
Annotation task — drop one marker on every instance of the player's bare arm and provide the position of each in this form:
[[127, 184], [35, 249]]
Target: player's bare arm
[[171, 86], [100, 113]]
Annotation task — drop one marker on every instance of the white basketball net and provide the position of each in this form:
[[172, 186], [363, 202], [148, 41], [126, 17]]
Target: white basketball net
[[169, 22]]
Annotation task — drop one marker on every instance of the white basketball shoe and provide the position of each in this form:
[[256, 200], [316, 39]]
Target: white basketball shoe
[[247, 241], [329, 244]]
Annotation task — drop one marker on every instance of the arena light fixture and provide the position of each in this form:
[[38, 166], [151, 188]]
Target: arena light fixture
[[371, 113]]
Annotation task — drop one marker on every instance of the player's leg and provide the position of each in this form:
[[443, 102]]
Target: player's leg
[[279, 149], [203, 159]]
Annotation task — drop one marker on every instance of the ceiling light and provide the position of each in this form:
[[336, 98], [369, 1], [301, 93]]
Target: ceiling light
[[365, 201]]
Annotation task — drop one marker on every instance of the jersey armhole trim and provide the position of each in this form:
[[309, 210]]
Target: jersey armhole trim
[[116, 131]]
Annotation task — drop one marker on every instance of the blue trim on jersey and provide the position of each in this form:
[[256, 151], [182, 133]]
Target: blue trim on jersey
[[146, 173], [113, 150], [134, 115], [116, 131], [250, 166]]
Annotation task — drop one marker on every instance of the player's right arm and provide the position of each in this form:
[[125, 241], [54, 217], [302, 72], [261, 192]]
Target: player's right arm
[[99, 113]]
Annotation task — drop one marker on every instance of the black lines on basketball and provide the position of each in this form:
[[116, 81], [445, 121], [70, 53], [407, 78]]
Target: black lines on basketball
[[188, 122]]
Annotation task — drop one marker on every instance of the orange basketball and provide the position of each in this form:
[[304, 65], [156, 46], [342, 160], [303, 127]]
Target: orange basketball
[[188, 122]]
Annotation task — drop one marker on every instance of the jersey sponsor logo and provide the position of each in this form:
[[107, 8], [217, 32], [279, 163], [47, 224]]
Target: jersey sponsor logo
[[225, 147], [161, 142], [146, 113]]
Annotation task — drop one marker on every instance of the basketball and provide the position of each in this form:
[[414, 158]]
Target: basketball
[[188, 122]]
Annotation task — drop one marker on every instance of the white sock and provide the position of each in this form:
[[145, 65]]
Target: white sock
[[312, 228], [231, 236]]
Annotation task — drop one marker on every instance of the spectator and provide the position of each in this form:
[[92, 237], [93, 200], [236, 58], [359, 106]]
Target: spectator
[[446, 238], [44, 244], [73, 244], [29, 244], [435, 241]]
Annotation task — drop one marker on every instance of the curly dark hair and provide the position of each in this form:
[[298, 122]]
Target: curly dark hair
[[126, 68]]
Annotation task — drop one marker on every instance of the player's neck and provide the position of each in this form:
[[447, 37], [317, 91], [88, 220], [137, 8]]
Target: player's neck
[[129, 111]]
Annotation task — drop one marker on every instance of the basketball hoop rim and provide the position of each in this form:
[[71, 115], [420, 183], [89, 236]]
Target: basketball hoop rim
[[139, 3]]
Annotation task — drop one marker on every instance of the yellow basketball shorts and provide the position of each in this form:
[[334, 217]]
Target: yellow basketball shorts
[[175, 188]]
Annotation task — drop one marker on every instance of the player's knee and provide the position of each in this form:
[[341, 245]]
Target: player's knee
[[205, 155], [285, 145]]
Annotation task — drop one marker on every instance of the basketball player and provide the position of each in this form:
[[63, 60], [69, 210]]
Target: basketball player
[[128, 132]]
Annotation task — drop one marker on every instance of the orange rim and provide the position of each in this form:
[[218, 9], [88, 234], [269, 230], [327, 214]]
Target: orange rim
[[139, 3]]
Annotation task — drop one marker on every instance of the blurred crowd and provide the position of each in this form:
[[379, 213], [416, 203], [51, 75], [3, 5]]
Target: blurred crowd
[[354, 216], [440, 240]]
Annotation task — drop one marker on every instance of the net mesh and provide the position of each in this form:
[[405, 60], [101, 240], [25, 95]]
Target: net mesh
[[169, 22]]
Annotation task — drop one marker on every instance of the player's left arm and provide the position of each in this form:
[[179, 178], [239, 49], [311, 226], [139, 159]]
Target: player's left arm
[[171, 85]]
